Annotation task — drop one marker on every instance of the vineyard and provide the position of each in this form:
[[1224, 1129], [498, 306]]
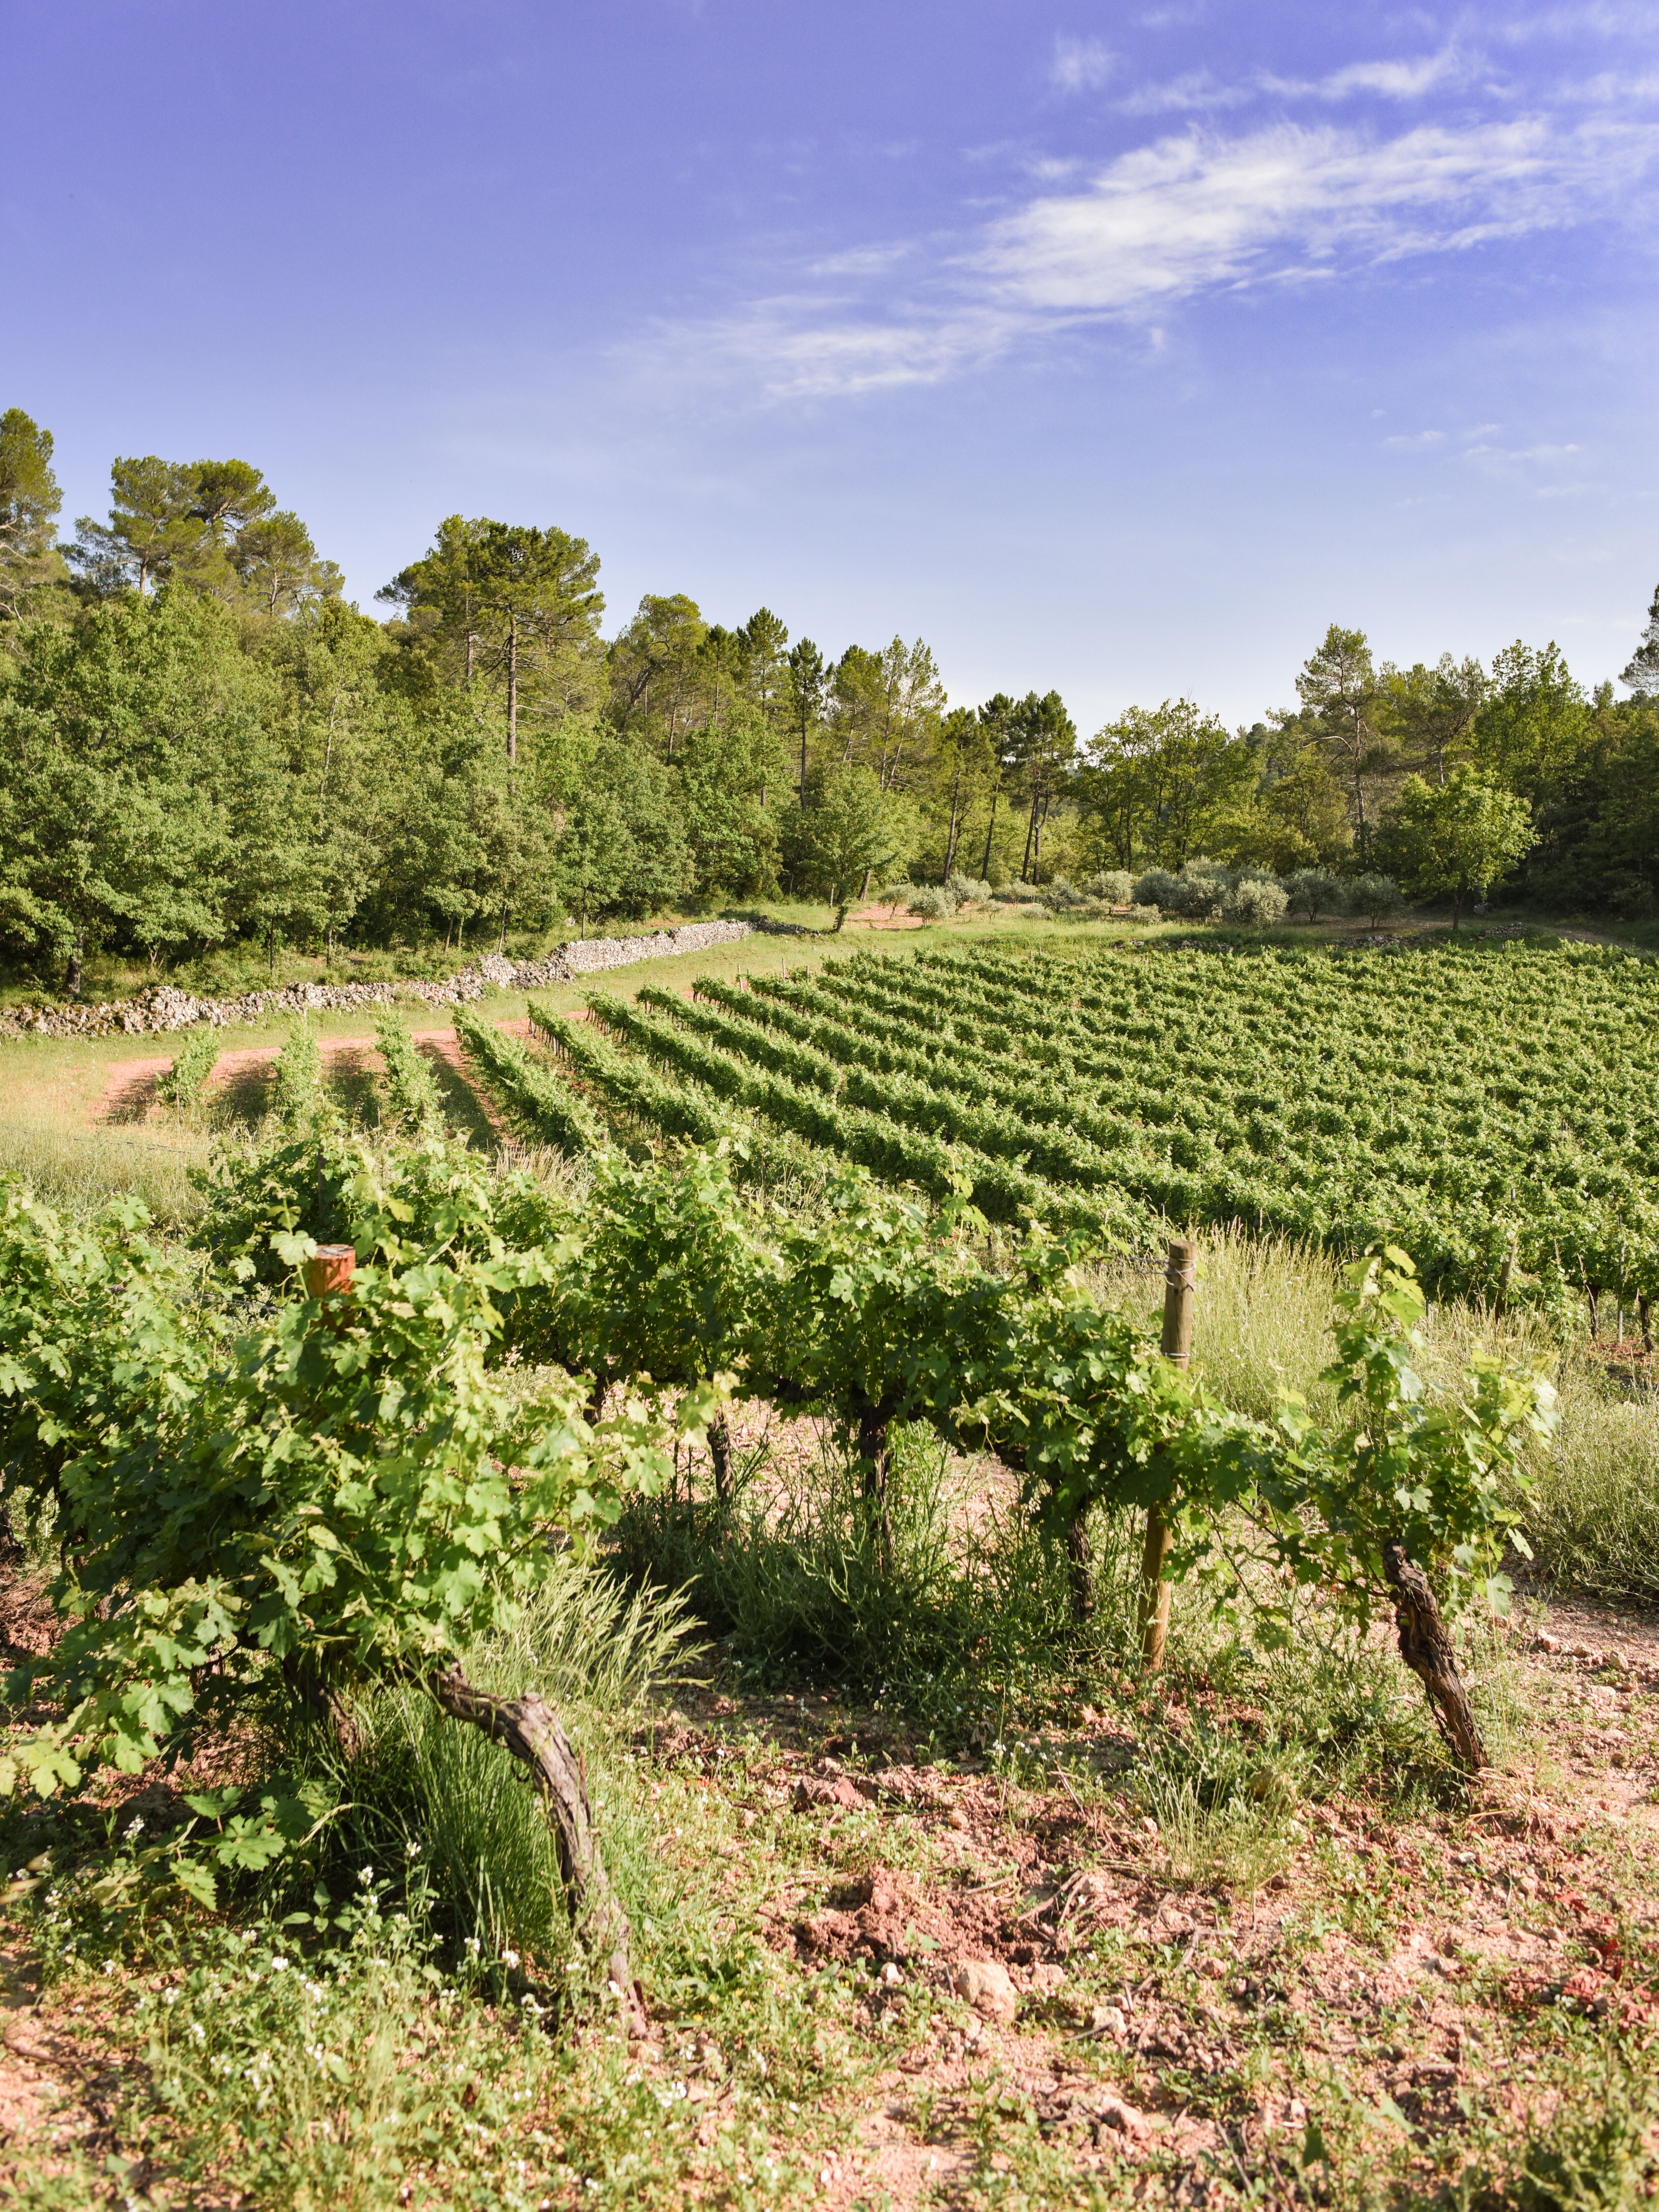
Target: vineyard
[[401, 1467], [1486, 1111]]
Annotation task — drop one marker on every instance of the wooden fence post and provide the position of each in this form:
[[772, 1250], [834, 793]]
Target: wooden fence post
[[1180, 1279]]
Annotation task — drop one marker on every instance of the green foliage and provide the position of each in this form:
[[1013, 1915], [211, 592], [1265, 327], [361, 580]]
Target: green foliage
[[416, 1105], [849, 833], [529, 1090], [297, 1094], [1457, 836], [182, 1083], [327, 1490], [1288, 1092], [1446, 1478]]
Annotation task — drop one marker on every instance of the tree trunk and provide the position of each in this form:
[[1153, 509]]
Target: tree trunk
[[1360, 797], [872, 1450], [1080, 1568], [720, 1450], [531, 1731], [1031, 832], [270, 942], [1426, 1649], [803, 765], [513, 687], [1036, 842], [72, 981], [951, 838], [990, 831]]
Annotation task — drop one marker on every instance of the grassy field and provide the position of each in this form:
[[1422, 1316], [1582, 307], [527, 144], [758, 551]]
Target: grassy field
[[1254, 1941]]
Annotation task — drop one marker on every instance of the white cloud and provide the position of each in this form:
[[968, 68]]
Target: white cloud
[[1393, 80], [1195, 93], [1194, 213], [1079, 65]]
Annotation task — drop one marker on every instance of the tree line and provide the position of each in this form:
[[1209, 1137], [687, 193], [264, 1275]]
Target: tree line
[[202, 744]]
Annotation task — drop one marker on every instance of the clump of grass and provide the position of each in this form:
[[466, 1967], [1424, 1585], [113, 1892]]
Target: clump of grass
[[448, 1815], [76, 1170], [792, 1574], [1594, 1521]]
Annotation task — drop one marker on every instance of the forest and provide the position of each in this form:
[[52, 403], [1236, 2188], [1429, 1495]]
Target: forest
[[204, 746]]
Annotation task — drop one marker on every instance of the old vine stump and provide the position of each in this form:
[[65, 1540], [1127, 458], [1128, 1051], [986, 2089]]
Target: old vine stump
[[1426, 1645], [531, 1731]]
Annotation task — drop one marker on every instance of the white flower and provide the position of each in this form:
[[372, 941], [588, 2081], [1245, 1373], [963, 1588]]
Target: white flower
[[367, 1876], [509, 1960], [279, 1966], [414, 1851]]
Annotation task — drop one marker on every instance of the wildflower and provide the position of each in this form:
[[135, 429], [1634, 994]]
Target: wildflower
[[135, 1827], [367, 1876], [509, 1960], [414, 1851], [277, 1965]]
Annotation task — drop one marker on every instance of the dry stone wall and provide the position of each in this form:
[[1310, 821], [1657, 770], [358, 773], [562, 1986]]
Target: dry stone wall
[[160, 1007]]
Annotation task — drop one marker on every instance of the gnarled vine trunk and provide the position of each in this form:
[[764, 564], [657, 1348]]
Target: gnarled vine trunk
[[532, 1732], [720, 1450], [872, 1449], [1426, 1645]]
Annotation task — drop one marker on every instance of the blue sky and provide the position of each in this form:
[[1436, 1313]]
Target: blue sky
[[1120, 348]]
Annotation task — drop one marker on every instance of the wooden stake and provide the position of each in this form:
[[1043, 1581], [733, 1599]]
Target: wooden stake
[[1180, 1280]]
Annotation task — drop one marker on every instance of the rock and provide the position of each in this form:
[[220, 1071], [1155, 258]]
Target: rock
[[958, 1819], [812, 1789], [1047, 1977], [985, 1984], [1107, 2020], [161, 1007], [1543, 1641], [1123, 2119]]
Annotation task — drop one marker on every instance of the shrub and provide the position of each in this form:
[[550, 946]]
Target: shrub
[[1375, 897], [1314, 891], [967, 891], [932, 903], [1157, 888], [1197, 895], [1115, 886], [1258, 900]]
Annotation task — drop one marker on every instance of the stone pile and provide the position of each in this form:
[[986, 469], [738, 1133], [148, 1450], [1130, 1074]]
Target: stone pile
[[160, 1007]]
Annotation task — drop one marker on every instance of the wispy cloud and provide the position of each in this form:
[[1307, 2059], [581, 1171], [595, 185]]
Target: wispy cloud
[[1079, 65], [1193, 213], [1408, 79], [1196, 92]]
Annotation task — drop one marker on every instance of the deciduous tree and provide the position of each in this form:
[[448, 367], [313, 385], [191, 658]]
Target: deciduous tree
[[1454, 837]]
